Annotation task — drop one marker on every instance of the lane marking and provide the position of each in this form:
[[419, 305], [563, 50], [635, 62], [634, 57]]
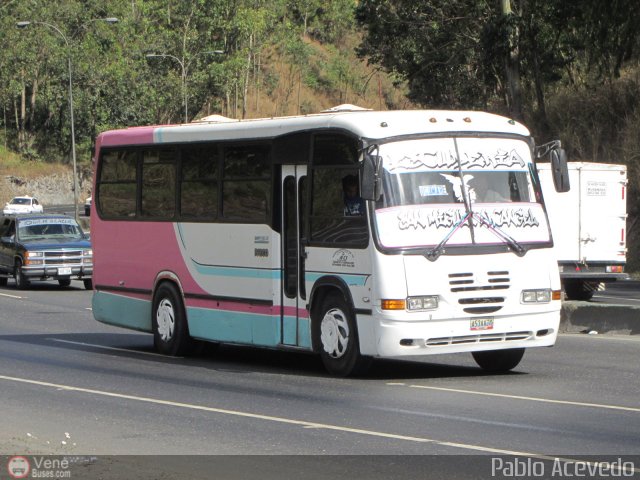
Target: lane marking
[[104, 347], [530, 399], [301, 423], [11, 296]]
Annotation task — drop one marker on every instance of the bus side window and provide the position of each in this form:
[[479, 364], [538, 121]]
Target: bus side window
[[117, 181], [335, 158]]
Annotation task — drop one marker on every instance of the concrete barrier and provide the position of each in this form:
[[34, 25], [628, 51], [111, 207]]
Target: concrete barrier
[[584, 317]]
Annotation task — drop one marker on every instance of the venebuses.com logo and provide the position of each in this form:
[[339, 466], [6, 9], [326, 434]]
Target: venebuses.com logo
[[44, 466]]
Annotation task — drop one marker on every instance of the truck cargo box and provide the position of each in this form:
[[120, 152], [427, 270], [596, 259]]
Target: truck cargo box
[[588, 224]]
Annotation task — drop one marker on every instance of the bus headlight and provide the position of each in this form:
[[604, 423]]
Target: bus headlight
[[422, 303], [536, 296], [412, 304]]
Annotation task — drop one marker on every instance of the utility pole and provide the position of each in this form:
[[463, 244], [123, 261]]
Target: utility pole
[[512, 62]]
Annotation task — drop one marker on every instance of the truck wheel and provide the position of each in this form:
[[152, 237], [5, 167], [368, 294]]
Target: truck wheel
[[88, 283], [336, 337], [64, 282], [497, 361], [22, 282], [3, 281], [170, 330], [579, 290]]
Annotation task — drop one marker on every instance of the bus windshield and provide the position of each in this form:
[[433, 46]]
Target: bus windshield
[[482, 187]]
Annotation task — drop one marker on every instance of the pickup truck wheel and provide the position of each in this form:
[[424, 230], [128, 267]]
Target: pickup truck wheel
[[579, 290], [22, 282], [64, 282], [88, 283], [497, 361]]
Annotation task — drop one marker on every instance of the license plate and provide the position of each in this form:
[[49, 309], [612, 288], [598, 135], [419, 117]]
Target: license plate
[[64, 271], [482, 323]]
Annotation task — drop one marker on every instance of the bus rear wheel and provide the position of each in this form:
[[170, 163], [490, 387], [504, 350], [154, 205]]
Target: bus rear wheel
[[336, 337], [170, 330], [497, 361]]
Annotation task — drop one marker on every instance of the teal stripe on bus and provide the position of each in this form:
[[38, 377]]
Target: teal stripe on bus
[[247, 328], [121, 310]]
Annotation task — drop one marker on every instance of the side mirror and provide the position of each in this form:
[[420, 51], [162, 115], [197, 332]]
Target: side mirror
[[560, 170], [371, 177], [7, 240]]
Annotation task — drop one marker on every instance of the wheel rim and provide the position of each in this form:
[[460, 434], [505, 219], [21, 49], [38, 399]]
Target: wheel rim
[[334, 333], [166, 320]]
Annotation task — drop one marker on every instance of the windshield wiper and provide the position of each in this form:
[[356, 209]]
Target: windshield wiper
[[518, 249], [436, 251]]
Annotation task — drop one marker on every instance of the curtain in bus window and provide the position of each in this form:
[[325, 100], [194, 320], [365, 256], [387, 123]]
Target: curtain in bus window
[[159, 183], [246, 183], [116, 195], [199, 183]]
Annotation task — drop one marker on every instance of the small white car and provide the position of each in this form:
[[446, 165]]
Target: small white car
[[22, 205]]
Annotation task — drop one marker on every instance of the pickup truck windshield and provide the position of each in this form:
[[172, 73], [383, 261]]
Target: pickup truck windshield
[[483, 188], [40, 229]]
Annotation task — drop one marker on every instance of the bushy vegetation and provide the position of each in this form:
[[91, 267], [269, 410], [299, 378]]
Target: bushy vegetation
[[568, 68], [240, 58]]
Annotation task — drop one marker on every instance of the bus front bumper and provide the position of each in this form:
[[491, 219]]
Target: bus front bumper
[[404, 338]]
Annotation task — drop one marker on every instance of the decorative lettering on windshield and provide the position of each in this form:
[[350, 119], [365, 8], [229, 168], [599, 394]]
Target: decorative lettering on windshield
[[447, 218], [446, 160]]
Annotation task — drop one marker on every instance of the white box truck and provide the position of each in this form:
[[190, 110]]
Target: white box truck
[[588, 224]]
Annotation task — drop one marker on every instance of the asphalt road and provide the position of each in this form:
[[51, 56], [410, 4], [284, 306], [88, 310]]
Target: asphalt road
[[622, 292], [69, 385]]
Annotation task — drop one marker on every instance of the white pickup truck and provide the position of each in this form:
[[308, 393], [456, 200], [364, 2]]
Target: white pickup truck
[[588, 224]]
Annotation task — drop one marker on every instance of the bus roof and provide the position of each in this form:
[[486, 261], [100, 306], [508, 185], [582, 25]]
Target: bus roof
[[366, 124]]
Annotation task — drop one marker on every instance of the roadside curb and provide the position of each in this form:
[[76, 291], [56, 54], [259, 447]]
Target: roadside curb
[[581, 317]]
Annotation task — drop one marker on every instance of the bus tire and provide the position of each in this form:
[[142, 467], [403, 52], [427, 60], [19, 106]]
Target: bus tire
[[169, 322], [336, 336], [496, 361], [22, 282]]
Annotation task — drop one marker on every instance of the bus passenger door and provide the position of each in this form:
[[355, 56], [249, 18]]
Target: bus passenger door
[[294, 318]]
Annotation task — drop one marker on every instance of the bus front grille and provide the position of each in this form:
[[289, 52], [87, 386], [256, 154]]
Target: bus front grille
[[468, 289]]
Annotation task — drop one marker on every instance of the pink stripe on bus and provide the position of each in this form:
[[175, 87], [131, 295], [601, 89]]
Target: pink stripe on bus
[[245, 307], [130, 136]]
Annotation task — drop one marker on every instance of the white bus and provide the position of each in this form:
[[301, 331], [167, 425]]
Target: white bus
[[352, 234]]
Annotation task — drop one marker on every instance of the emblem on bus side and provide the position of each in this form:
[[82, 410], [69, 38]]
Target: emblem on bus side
[[343, 258]]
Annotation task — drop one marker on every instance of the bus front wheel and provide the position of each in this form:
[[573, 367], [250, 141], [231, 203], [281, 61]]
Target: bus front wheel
[[336, 336], [170, 331], [497, 361]]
